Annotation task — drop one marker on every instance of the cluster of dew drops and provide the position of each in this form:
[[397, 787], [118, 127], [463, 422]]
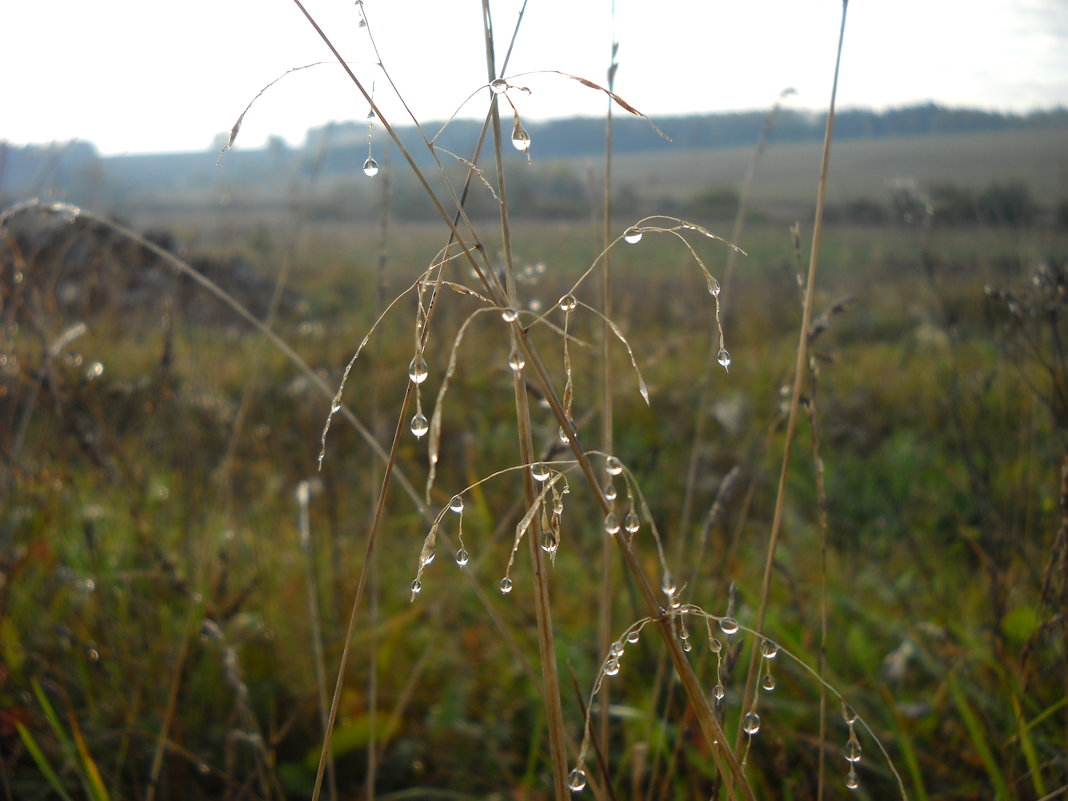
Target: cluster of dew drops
[[632, 236]]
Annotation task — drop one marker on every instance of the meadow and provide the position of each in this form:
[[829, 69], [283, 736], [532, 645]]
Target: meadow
[[848, 580]]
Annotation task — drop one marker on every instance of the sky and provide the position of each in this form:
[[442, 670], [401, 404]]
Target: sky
[[139, 76]]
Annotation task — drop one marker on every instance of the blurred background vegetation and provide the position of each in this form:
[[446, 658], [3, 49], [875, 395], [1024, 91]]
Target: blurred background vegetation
[[155, 634]]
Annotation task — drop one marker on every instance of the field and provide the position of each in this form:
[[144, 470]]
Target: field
[[764, 569]]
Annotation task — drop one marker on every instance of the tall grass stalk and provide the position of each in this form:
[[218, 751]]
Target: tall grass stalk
[[542, 606], [799, 376]]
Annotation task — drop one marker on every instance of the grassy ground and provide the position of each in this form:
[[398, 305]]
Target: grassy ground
[[155, 588]]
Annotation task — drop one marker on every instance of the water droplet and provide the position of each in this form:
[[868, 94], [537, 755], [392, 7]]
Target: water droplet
[[611, 523], [729, 625], [752, 723], [631, 522], [576, 780], [849, 714], [540, 471], [632, 236], [724, 358], [520, 139], [687, 646], [852, 751], [616, 648], [613, 466], [713, 288], [516, 361], [611, 667], [499, 86], [94, 370], [417, 370], [769, 649], [94, 656], [768, 682], [203, 768], [609, 490], [428, 558], [714, 645], [534, 304], [505, 585], [568, 303], [562, 434], [420, 425], [462, 557], [549, 544], [417, 586], [720, 692], [851, 780], [334, 409], [370, 167], [509, 315], [456, 504], [633, 636], [667, 584]]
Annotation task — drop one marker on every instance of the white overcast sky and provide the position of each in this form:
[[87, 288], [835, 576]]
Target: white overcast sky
[[151, 76]]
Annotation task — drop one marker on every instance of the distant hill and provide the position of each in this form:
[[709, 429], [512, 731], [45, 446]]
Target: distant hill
[[565, 149]]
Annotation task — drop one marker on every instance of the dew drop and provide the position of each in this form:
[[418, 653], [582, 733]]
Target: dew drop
[[568, 303], [611, 523], [851, 780], [852, 751], [729, 625], [94, 370], [752, 723], [768, 682], [724, 358], [632, 236], [563, 437], [520, 139], [633, 636], [713, 288], [370, 168], [509, 314], [516, 361], [714, 645], [849, 714], [462, 557], [769, 649], [720, 692], [499, 86], [456, 504], [428, 558], [576, 780], [549, 544], [540, 471], [417, 370], [631, 522], [687, 646], [417, 586], [609, 491], [94, 656], [611, 667], [613, 466], [420, 425], [335, 408], [616, 648], [505, 585], [667, 584]]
